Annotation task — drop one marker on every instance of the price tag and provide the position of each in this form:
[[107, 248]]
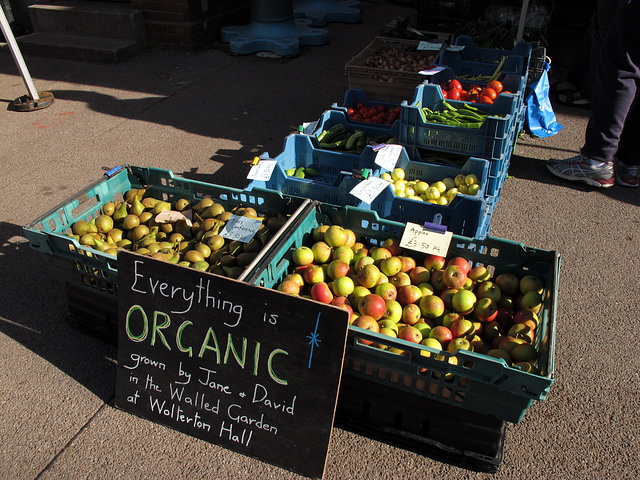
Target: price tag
[[262, 170], [240, 228], [415, 237], [455, 48], [429, 46], [387, 157], [432, 71], [369, 189]]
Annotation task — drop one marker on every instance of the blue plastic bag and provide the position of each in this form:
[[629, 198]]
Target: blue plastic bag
[[540, 119]]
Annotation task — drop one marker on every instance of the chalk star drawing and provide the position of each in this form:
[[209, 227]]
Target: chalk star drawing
[[314, 340]]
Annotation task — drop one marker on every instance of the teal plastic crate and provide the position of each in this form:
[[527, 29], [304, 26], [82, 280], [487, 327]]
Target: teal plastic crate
[[473, 60], [492, 141], [86, 268], [477, 382], [338, 172]]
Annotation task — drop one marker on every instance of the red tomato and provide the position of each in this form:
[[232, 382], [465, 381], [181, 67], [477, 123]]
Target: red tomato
[[489, 92], [455, 84], [495, 85], [445, 94], [382, 108], [485, 99], [351, 111], [357, 117], [359, 105], [505, 91], [373, 111], [464, 96], [453, 94], [444, 86], [363, 111]]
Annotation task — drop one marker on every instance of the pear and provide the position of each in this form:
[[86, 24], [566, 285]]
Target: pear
[[82, 227], [128, 197], [100, 245], [136, 207], [145, 217], [254, 246], [224, 216], [184, 263], [115, 235], [210, 223], [108, 208], [204, 249], [104, 223], [143, 251], [236, 247], [181, 205], [228, 261], [153, 247], [149, 202], [130, 222], [245, 258], [233, 272], [126, 244], [121, 212], [250, 212], [276, 222], [160, 207], [111, 251], [216, 242], [176, 237], [193, 256], [165, 257], [203, 204], [213, 211], [139, 232], [87, 240], [201, 265]]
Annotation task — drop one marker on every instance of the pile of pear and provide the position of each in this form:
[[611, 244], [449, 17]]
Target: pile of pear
[[130, 224]]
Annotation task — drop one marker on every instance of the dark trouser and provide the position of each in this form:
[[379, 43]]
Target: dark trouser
[[613, 131]]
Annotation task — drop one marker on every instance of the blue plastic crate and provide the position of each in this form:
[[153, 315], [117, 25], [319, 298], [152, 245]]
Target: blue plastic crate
[[336, 171], [495, 176], [354, 96], [493, 140], [480, 383], [373, 131], [473, 61]]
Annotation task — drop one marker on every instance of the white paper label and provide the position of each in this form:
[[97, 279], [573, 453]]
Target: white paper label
[[415, 237], [170, 216], [387, 157], [455, 48], [369, 189], [262, 171], [240, 228], [429, 46], [432, 71]]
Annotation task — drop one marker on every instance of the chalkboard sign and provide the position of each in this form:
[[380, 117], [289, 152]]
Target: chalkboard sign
[[245, 367]]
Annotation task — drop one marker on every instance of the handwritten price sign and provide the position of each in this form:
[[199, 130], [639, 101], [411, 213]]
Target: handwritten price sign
[[415, 237]]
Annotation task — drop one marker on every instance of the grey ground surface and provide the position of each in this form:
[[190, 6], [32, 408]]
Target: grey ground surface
[[201, 115]]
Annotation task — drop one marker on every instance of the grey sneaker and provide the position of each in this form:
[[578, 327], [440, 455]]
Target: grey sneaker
[[579, 169], [627, 175]]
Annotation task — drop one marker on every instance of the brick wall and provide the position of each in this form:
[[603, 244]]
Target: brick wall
[[190, 24]]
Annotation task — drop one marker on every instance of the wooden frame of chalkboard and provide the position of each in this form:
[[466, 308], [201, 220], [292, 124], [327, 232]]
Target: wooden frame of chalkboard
[[248, 368]]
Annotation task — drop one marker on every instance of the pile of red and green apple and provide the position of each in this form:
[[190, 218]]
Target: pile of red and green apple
[[445, 303]]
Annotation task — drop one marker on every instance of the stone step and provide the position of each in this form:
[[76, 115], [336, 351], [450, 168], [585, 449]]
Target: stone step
[[78, 47], [87, 18]]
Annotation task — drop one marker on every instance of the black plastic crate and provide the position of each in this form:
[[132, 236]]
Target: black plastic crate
[[443, 432], [447, 15]]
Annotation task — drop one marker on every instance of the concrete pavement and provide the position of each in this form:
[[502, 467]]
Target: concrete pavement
[[201, 115]]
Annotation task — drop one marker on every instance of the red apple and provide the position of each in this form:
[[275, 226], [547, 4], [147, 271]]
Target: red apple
[[289, 286], [313, 274], [372, 305], [389, 324], [442, 334], [318, 232], [459, 343], [368, 323], [419, 274], [431, 306], [378, 254], [411, 314], [491, 331], [302, 255], [321, 252], [296, 277], [527, 317], [369, 275], [531, 283], [342, 286], [508, 283], [321, 292], [408, 294], [508, 343], [447, 296], [393, 245], [393, 311], [343, 253], [490, 290], [531, 301], [387, 291], [450, 317], [434, 262], [337, 269], [408, 263], [461, 262], [437, 281], [521, 330], [410, 334], [500, 354], [524, 353], [351, 238], [362, 262], [486, 310], [479, 274], [400, 278], [464, 301], [462, 328], [336, 236], [454, 276], [391, 265]]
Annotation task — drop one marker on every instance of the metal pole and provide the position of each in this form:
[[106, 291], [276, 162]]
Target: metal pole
[[17, 56], [523, 20]]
